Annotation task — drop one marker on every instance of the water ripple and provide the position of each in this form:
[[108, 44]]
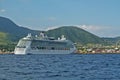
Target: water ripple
[[60, 67]]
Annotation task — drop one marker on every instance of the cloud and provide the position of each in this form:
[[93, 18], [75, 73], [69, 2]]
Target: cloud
[[85, 27], [102, 31], [92, 27], [54, 27], [51, 19], [2, 10], [50, 28], [24, 0], [97, 30]]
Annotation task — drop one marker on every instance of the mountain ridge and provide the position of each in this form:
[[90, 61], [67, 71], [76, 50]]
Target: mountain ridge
[[73, 33], [15, 31]]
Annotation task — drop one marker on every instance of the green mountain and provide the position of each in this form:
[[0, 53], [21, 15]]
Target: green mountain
[[3, 38], [14, 31], [75, 34], [11, 32]]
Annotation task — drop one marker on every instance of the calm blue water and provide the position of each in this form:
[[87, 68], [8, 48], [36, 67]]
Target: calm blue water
[[60, 67]]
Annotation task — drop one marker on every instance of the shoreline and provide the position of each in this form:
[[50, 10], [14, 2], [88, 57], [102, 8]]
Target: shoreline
[[6, 52], [73, 53]]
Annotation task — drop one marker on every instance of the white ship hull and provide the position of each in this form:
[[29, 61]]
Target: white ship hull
[[36, 45], [24, 51]]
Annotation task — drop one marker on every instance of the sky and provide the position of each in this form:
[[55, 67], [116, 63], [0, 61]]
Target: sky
[[100, 17]]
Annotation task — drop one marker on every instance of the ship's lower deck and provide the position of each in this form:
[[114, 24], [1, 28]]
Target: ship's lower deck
[[50, 52], [30, 51]]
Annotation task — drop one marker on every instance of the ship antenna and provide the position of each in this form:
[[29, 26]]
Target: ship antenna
[[29, 35], [63, 37], [42, 35]]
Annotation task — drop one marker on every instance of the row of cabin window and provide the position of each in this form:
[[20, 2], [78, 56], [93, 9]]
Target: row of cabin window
[[47, 42], [47, 45], [50, 48], [51, 44], [21, 46]]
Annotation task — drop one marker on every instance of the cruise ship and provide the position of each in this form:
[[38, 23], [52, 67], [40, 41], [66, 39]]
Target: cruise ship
[[41, 44]]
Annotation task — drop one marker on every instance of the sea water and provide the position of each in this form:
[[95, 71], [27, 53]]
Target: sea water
[[60, 67]]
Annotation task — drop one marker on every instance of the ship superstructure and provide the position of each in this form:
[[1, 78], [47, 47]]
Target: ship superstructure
[[41, 44]]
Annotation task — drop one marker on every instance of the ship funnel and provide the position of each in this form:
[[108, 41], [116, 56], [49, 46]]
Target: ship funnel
[[29, 35], [42, 35], [63, 37]]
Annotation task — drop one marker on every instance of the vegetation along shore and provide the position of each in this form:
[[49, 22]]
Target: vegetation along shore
[[86, 42]]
